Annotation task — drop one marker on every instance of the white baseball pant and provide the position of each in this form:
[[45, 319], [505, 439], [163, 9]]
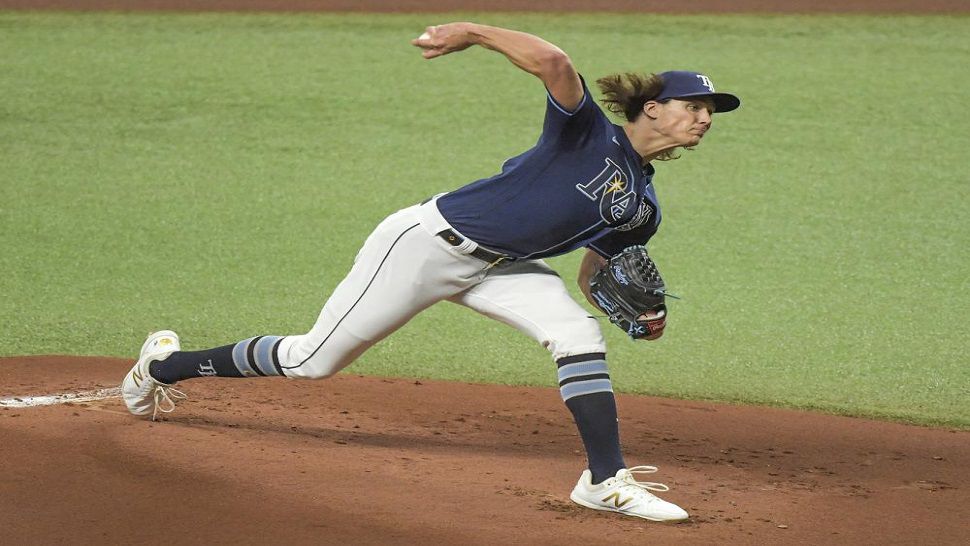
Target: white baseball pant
[[404, 268]]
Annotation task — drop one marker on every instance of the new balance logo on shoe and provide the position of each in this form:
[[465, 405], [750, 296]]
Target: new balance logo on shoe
[[136, 377], [616, 500]]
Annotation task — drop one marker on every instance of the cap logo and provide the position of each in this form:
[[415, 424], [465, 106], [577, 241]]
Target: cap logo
[[706, 82]]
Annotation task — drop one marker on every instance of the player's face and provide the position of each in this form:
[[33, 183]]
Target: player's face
[[685, 120]]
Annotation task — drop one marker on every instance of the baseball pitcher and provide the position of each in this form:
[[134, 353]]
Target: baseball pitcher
[[586, 184]]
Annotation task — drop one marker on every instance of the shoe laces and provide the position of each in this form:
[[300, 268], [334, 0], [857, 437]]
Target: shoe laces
[[165, 398], [630, 479]]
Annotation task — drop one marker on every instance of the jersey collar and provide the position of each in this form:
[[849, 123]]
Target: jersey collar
[[635, 158]]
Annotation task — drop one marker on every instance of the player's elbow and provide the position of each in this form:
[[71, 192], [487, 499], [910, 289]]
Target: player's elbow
[[553, 63], [561, 79]]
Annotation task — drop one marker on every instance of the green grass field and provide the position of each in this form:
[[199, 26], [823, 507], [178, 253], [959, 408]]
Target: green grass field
[[215, 174]]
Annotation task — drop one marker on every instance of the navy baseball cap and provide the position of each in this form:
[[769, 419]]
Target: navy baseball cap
[[679, 84]]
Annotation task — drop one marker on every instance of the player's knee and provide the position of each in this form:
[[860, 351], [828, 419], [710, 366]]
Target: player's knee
[[300, 358], [575, 338], [308, 370]]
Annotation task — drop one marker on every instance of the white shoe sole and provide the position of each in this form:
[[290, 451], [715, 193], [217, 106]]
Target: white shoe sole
[[582, 502]]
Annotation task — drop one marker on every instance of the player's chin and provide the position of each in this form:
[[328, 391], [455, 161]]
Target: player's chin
[[652, 337]]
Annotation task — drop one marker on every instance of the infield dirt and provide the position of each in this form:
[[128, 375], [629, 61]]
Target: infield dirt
[[366, 460]]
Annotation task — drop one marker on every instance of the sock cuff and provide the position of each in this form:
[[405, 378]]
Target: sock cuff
[[257, 356], [580, 375], [572, 359]]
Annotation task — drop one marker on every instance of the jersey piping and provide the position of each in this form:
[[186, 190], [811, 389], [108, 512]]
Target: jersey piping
[[369, 283]]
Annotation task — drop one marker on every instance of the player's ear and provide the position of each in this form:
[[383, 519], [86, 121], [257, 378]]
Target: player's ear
[[651, 109]]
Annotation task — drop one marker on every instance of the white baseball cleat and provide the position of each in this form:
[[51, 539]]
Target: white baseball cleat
[[624, 494], [142, 393]]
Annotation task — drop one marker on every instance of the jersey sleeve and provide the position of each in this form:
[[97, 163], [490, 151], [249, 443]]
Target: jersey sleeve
[[565, 126], [614, 241]]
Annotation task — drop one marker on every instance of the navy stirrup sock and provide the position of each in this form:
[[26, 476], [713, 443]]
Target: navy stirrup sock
[[584, 382], [253, 357]]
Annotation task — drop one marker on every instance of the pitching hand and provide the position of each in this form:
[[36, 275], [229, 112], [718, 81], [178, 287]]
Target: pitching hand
[[444, 39]]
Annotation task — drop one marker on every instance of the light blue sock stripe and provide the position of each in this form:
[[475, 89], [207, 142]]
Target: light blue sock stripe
[[263, 354], [580, 388], [239, 358], [582, 368]]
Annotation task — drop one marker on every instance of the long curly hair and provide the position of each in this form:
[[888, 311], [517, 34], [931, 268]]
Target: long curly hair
[[625, 94]]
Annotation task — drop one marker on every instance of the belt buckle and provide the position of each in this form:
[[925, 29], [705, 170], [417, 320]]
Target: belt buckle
[[501, 260]]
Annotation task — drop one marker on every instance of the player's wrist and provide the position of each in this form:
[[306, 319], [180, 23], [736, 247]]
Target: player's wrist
[[475, 33]]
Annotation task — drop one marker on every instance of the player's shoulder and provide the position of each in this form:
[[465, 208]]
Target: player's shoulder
[[578, 101]]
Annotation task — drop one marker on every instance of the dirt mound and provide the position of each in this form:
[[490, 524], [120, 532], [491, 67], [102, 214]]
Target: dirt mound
[[372, 460]]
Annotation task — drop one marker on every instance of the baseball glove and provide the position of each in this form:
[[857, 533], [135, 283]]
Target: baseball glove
[[628, 287]]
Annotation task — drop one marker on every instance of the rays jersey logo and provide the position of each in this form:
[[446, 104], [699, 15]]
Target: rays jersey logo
[[643, 214], [616, 196], [612, 187]]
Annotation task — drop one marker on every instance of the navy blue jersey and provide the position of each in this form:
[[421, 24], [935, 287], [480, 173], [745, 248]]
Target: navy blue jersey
[[582, 184]]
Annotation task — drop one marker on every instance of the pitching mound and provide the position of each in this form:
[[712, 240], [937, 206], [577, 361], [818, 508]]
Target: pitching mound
[[367, 460]]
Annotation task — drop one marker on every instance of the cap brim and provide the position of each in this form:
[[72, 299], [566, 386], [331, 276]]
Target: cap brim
[[723, 102]]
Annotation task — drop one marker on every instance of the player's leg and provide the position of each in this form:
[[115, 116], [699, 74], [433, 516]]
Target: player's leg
[[533, 299], [401, 269], [147, 389]]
